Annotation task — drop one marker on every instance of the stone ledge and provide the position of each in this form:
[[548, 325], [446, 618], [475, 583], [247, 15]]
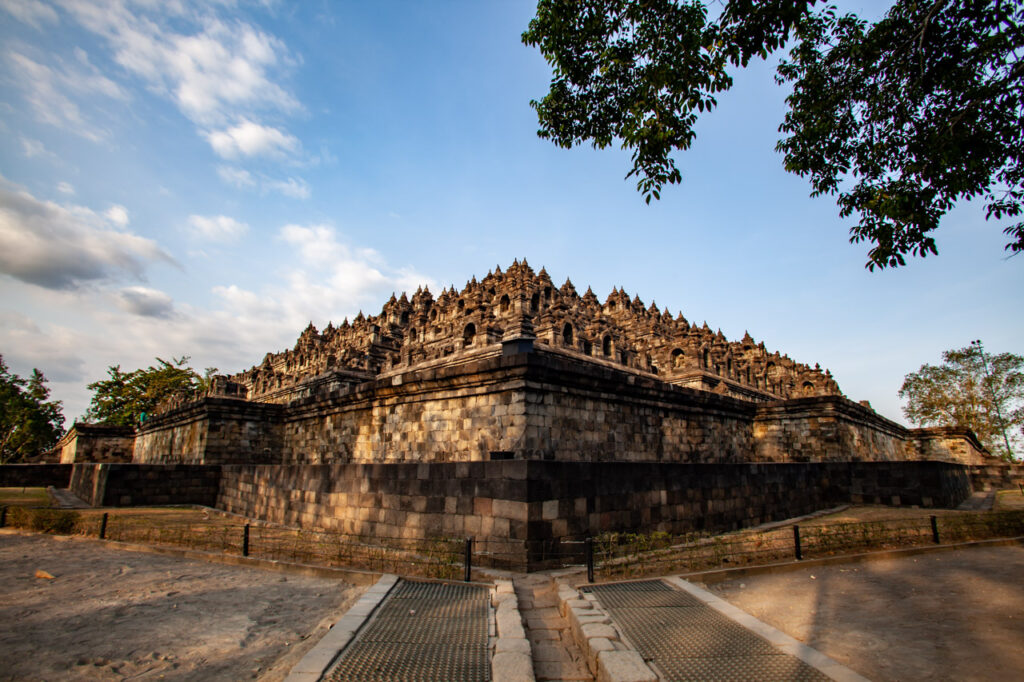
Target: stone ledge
[[512, 657], [318, 659]]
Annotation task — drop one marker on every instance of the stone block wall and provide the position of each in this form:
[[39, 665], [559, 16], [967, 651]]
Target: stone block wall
[[997, 476], [948, 445], [454, 413], [132, 485], [34, 475], [397, 500], [583, 412], [518, 508], [212, 431], [97, 443], [538, 405]]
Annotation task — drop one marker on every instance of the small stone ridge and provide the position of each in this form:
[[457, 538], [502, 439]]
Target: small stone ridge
[[556, 655], [683, 639], [422, 631]]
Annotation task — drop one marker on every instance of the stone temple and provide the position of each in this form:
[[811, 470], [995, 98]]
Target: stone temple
[[518, 411]]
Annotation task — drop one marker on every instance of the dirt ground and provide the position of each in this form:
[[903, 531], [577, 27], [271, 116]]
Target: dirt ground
[[112, 614], [956, 615]]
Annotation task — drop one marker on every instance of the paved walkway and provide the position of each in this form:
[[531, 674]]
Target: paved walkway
[[422, 631]]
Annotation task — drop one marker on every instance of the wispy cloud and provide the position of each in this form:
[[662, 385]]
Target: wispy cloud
[[213, 70], [219, 228], [31, 12], [296, 188], [65, 247], [293, 187]]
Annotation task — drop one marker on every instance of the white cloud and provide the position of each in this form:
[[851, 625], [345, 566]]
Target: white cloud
[[31, 12], [145, 302], [296, 188], [211, 72], [232, 331], [47, 91], [251, 139], [236, 177], [65, 188], [33, 148], [61, 247], [293, 187], [117, 214], [219, 228]]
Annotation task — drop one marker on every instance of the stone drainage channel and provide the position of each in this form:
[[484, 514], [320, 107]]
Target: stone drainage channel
[[535, 627]]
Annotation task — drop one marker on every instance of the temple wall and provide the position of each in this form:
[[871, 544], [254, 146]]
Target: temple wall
[[518, 507], [543, 405], [579, 412], [460, 413], [212, 431], [134, 485], [97, 443]]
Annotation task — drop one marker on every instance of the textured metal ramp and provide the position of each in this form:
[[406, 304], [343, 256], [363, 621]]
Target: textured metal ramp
[[422, 631], [687, 640]]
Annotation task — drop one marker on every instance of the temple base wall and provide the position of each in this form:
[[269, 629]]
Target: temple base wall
[[539, 405]]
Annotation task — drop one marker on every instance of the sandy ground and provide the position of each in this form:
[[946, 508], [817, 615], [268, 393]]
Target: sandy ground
[[112, 614], [955, 615]]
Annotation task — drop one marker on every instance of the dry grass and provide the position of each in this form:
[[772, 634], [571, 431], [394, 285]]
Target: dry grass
[[1007, 500], [24, 497]]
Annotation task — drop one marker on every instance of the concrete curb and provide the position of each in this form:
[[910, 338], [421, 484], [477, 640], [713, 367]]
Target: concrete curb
[[512, 658], [609, 657], [776, 638], [318, 660]]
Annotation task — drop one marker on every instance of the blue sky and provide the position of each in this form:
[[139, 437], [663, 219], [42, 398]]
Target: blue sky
[[204, 179]]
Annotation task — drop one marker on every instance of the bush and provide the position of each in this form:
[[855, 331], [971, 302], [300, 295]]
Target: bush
[[56, 521]]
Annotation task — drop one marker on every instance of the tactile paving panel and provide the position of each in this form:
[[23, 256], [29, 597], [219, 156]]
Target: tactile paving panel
[[739, 669], [687, 640], [422, 631]]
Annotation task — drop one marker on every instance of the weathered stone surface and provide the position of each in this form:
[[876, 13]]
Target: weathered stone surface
[[511, 667], [511, 645], [623, 666]]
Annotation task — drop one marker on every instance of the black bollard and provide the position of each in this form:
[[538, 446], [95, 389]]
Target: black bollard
[[590, 559], [469, 560], [796, 543], [935, 529], [103, 526], [245, 540], [3, 516]]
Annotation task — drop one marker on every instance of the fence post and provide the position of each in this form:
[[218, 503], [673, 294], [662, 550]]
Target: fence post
[[796, 542], [935, 529], [469, 560], [589, 544], [103, 526], [245, 540]]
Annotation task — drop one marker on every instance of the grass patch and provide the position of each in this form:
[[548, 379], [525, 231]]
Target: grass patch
[[24, 497], [1009, 500]]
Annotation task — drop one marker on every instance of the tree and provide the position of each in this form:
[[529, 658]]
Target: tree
[[901, 119], [123, 397], [30, 423], [971, 389]]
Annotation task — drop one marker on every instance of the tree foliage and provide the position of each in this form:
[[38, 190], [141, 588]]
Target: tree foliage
[[123, 397], [30, 423], [971, 389], [900, 119]]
